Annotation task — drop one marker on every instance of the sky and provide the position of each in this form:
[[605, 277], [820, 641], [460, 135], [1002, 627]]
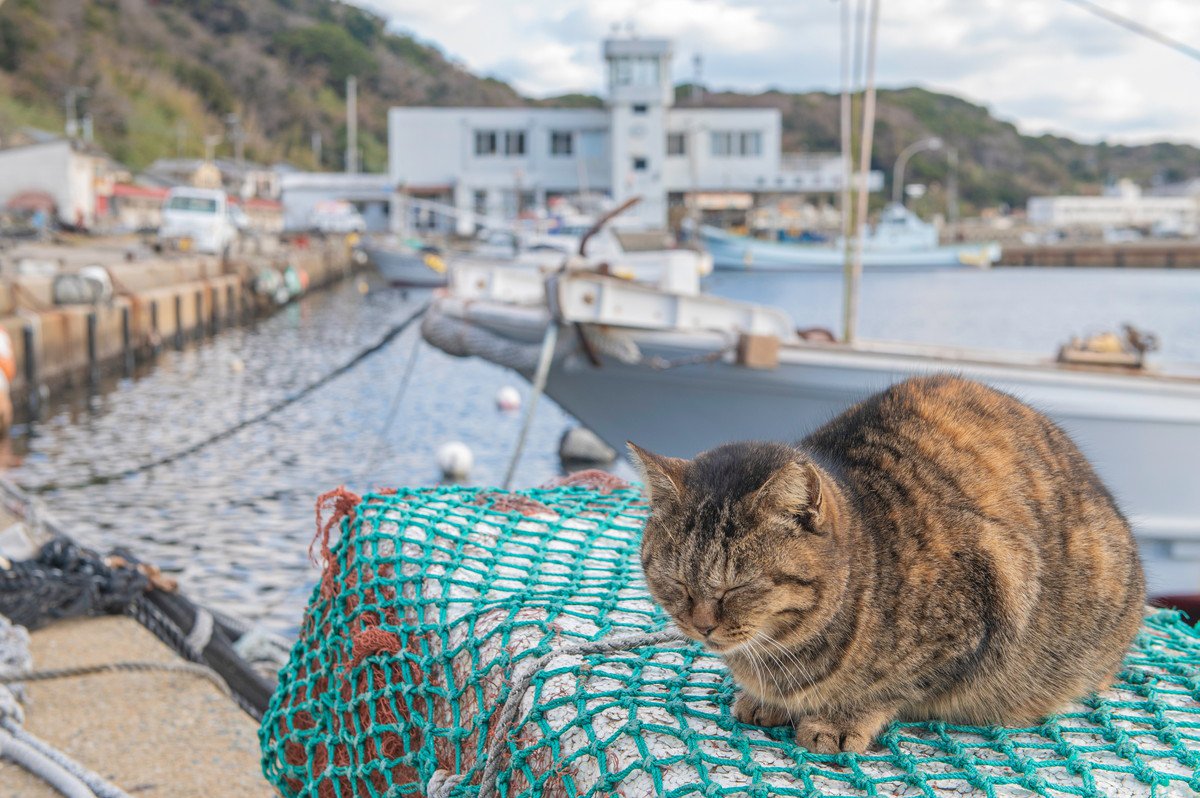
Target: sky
[[1047, 65]]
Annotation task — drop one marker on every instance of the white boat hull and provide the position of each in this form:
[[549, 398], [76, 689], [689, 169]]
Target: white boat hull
[[1141, 432], [740, 253]]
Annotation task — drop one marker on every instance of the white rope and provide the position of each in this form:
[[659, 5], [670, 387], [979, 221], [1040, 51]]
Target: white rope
[[202, 629], [43, 767], [549, 341]]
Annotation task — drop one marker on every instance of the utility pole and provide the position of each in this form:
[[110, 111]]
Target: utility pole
[[234, 124], [317, 147], [76, 128], [352, 125], [952, 193]]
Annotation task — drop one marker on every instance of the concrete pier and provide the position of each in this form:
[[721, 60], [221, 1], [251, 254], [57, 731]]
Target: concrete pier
[[152, 733], [1139, 255], [159, 300]]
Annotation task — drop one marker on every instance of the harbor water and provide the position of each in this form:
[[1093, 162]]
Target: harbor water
[[234, 520]]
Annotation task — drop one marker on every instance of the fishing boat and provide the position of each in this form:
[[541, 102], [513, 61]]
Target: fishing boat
[[407, 263], [899, 241], [679, 372]]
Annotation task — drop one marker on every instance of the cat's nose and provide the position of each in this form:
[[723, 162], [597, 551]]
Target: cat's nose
[[704, 618]]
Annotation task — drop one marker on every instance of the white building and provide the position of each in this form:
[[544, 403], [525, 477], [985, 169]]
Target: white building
[[1122, 205], [498, 161], [64, 169], [302, 191]]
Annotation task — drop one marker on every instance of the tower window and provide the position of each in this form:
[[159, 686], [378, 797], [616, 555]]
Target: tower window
[[640, 164], [676, 144], [639, 108]]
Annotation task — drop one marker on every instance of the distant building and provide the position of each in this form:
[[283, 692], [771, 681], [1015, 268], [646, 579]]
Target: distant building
[[68, 171], [1122, 205], [496, 162], [370, 194]]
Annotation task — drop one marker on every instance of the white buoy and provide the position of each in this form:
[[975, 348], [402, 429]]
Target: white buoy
[[237, 365], [508, 398], [455, 460]]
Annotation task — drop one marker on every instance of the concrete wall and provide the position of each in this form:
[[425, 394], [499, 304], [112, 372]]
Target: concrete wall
[[436, 147], [701, 169], [1111, 211], [39, 167]]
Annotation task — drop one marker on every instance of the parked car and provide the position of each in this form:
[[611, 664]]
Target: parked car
[[199, 219], [336, 216]]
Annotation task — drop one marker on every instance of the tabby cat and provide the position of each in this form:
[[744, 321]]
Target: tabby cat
[[938, 551]]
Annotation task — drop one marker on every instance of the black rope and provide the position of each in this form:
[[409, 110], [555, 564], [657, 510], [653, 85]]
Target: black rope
[[387, 338]]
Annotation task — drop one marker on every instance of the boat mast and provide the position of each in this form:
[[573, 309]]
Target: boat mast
[[847, 170], [854, 272]]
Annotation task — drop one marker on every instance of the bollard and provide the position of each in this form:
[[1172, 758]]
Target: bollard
[[126, 341], [179, 321], [199, 315], [32, 388], [155, 341], [215, 316], [230, 308], [93, 370]]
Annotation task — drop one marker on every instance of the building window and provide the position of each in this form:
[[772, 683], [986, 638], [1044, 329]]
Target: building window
[[480, 202], [485, 142], [676, 144], [639, 164], [635, 71], [514, 142], [639, 108], [562, 142], [745, 144]]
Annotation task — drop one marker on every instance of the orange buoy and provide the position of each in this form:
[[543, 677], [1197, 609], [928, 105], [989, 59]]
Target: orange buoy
[[8, 361]]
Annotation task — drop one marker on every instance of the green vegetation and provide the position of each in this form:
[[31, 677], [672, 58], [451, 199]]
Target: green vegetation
[[163, 74]]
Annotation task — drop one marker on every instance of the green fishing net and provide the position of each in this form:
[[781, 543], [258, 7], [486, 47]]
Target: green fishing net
[[455, 627]]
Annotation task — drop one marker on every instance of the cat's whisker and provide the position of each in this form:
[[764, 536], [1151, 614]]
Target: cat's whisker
[[798, 665]]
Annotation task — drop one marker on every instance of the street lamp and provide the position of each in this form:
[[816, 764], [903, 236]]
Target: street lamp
[[932, 143]]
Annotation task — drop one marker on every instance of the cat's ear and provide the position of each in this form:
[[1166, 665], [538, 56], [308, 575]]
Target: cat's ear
[[798, 490], [663, 476]]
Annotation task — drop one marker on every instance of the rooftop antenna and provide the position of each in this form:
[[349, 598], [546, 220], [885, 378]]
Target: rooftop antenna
[[697, 78]]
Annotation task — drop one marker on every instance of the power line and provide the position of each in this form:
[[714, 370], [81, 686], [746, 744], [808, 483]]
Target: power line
[[1138, 28]]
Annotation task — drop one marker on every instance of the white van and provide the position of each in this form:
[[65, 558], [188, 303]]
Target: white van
[[203, 217]]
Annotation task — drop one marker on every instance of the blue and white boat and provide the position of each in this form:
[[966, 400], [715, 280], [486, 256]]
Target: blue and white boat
[[899, 241]]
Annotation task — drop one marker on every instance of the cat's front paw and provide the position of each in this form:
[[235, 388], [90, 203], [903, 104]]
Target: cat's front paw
[[748, 709], [821, 736]]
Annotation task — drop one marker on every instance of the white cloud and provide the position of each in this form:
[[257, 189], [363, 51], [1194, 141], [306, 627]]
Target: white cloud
[[1049, 66]]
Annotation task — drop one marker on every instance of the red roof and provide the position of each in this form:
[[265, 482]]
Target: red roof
[[139, 192], [262, 204]]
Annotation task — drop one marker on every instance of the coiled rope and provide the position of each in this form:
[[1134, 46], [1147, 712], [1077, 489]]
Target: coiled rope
[[391, 335]]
